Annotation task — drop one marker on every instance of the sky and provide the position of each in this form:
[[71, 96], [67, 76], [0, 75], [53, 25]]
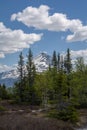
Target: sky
[[42, 25]]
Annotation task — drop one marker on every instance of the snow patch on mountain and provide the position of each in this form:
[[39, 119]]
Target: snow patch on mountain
[[41, 62], [10, 74]]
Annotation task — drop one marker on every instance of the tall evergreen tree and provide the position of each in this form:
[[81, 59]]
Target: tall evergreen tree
[[21, 66], [67, 62], [58, 61], [21, 75], [54, 60], [30, 69], [31, 72], [68, 68]]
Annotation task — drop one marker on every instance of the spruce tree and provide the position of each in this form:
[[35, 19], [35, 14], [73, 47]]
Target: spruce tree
[[68, 68], [58, 62], [54, 60], [67, 62], [30, 69], [21, 75], [31, 72]]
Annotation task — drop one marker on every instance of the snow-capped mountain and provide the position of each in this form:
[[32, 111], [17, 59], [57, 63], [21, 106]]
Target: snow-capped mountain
[[10, 74], [41, 62], [9, 77]]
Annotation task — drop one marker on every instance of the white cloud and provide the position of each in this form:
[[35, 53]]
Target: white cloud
[[4, 68], [76, 54], [36, 17], [40, 19], [79, 53], [78, 35], [15, 40]]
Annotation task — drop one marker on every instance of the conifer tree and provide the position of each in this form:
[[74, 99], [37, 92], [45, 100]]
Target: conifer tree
[[31, 72], [30, 69], [67, 62], [68, 68], [21, 75], [58, 61], [54, 60]]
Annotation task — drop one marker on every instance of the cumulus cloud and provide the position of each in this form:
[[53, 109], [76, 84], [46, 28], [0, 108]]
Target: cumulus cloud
[[40, 18], [79, 35], [76, 54], [79, 53], [15, 40]]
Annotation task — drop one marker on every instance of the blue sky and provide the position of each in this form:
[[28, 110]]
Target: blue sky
[[43, 25]]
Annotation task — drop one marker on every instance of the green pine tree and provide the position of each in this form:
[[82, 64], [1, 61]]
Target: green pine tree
[[31, 73], [54, 60], [58, 62], [21, 76], [68, 68]]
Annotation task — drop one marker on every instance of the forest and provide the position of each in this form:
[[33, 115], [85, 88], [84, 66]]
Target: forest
[[61, 90]]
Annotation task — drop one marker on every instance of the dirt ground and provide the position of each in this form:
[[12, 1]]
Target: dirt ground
[[20, 117], [82, 118], [16, 121]]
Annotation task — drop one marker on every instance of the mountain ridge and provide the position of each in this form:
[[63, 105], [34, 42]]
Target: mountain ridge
[[41, 62]]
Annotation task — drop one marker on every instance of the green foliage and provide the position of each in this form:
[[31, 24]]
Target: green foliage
[[67, 114], [53, 114], [21, 76], [3, 92], [54, 60], [30, 69], [58, 66], [67, 62], [58, 87]]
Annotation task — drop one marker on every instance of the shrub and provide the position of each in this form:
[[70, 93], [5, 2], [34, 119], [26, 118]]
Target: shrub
[[53, 113], [67, 114]]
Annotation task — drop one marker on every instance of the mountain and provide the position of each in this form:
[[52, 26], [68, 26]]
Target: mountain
[[9, 77], [41, 62]]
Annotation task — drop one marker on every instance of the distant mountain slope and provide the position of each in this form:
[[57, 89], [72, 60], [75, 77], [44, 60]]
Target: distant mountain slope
[[9, 77], [41, 62]]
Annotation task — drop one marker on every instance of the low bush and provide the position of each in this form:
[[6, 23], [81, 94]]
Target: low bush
[[67, 114]]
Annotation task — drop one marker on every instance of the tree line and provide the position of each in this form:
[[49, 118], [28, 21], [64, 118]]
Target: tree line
[[62, 86]]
